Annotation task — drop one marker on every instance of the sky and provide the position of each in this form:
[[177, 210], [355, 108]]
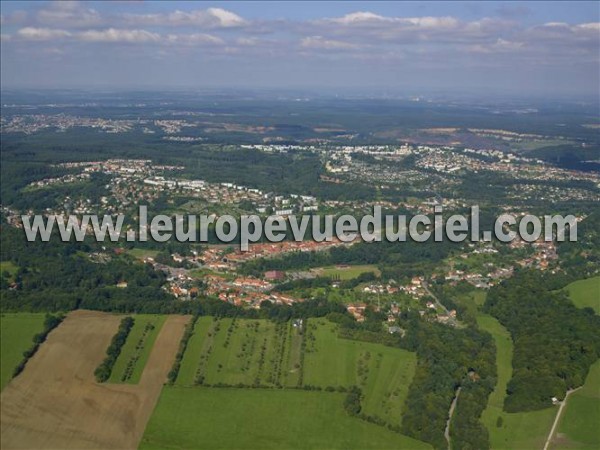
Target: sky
[[526, 48]]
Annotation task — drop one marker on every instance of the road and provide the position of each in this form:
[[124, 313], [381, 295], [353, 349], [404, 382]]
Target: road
[[438, 303], [557, 418], [450, 413]]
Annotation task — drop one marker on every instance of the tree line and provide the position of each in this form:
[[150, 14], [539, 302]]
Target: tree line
[[104, 370], [50, 323]]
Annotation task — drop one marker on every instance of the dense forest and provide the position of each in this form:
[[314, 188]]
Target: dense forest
[[555, 342], [449, 358]]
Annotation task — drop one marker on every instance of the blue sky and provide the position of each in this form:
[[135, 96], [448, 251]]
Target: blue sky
[[541, 48]]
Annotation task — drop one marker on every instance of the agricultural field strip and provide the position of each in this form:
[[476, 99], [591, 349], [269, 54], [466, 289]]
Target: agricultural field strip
[[236, 352], [55, 402], [132, 360]]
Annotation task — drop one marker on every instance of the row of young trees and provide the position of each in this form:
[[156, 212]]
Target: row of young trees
[[103, 371], [187, 335], [50, 323]]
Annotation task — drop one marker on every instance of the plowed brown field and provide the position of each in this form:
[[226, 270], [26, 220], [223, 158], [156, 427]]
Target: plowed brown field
[[56, 403]]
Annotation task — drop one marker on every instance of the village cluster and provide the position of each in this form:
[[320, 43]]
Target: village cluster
[[213, 270]]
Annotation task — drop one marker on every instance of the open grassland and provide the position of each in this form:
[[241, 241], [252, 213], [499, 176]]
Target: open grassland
[[55, 403], [131, 362], [578, 427], [347, 272], [472, 301], [262, 419], [509, 431], [200, 274], [16, 336], [383, 373], [585, 293]]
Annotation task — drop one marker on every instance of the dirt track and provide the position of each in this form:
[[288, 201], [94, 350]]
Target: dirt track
[[56, 403]]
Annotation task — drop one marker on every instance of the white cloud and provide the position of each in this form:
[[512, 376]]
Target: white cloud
[[319, 42], [226, 18], [359, 18], [68, 14], [500, 46], [374, 29], [431, 22], [372, 19], [114, 35], [208, 18], [593, 26], [42, 34], [194, 39]]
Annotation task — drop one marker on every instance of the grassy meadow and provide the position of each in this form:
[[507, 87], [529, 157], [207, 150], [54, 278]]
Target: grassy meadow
[[263, 419], [585, 293], [578, 427], [383, 373], [243, 353], [347, 272], [16, 336]]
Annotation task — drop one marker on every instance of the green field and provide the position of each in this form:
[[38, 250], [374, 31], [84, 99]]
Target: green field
[[527, 430], [244, 352], [16, 336], [262, 419], [383, 373], [347, 272], [585, 293], [195, 348], [131, 362], [578, 427], [472, 301]]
